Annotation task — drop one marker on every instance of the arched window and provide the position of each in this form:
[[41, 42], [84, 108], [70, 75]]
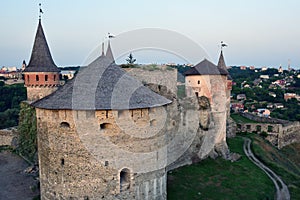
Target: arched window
[[54, 77], [27, 78], [198, 82], [124, 179], [37, 77], [64, 125], [46, 77]]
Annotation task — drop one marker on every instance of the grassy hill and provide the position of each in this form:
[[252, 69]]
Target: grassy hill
[[220, 179], [284, 162]]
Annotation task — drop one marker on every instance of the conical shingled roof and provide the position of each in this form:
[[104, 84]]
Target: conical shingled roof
[[41, 59], [109, 53], [205, 67], [102, 86], [222, 65]]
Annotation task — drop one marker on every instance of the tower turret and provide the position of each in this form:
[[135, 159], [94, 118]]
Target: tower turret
[[41, 75], [208, 82], [222, 65], [109, 53]]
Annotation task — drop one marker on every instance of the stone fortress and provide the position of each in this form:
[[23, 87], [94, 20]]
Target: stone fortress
[[114, 134]]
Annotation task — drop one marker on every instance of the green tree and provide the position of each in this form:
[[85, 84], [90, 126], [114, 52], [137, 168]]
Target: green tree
[[10, 98], [130, 60]]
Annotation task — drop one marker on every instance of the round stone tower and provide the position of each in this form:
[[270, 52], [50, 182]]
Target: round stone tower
[[209, 82], [100, 136], [41, 75]]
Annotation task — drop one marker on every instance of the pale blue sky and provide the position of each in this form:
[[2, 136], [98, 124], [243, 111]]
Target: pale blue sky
[[258, 32]]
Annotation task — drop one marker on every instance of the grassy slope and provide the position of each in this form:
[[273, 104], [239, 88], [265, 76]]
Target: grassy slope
[[286, 162], [220, 179]]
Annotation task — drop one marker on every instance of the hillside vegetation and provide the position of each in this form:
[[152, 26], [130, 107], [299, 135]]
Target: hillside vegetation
[[284, 162], [10, 98], [221, 179]]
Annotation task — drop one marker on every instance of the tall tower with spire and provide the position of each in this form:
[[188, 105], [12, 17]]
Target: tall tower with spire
[[222, 65], [41, 75]]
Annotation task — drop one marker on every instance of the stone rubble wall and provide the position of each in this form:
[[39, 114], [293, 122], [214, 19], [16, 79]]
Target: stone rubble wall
[[279, 135], [7, 136], [263, 119], [162, 77], [81, 154], [289, 134], [38, 92]]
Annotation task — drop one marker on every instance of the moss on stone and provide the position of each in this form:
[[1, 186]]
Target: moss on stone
[[27, 144]]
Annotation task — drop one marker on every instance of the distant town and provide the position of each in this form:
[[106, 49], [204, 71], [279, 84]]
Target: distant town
[[266, 92]]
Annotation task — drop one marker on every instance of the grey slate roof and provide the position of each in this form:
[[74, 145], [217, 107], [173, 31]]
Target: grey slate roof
[[205, 67], [102, 85], [222, 65], [41, 59], [109, 53]]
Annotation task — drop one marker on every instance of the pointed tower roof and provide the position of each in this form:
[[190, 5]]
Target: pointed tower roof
[[109, 53], [205, 67], [41, 59], [102, 85], [221, 64]]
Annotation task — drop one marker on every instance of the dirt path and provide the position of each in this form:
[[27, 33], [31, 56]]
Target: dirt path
[[14, 183], [282, 191]]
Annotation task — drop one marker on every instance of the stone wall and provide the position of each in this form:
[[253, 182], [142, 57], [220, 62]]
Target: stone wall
[[37, 92], [279, 135], [82, 154], [263, 119], [162, 77], [290, 134], [7, 136]]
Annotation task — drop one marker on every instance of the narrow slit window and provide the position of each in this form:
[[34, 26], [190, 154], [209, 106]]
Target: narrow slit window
[[105, 126]]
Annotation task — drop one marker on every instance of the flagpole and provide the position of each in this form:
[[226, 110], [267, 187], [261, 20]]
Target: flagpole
[[40, 5]]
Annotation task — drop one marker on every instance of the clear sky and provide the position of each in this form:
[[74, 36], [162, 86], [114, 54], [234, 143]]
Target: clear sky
[[260, 33]]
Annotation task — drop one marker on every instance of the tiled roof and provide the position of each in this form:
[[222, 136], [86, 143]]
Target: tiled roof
[[41, 59], [205, 67], [102, 86]]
